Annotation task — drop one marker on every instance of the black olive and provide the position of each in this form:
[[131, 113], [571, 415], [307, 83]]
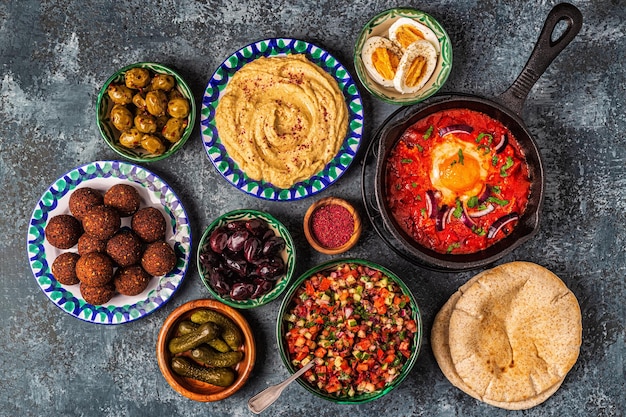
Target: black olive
[[218, 240], [236, 225], [267, 234], [218, 282], [257, 226], [273, 245], [237, 240], [261, 287], [208, 258], [252, 249], [270, 270], [237, 265], [241, 291]]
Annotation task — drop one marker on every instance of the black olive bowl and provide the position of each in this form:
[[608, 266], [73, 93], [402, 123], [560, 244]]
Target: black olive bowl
[[255, 283]]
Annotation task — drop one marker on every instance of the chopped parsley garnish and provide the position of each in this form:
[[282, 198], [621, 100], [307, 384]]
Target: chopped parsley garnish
[[458, 210], [428, 132], [453, 246], [498, 201]]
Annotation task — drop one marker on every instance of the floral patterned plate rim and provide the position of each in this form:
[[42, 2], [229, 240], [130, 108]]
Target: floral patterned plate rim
[[101, 175], [230, 170]]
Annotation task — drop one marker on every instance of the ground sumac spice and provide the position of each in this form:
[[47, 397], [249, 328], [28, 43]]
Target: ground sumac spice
[[332, 225]]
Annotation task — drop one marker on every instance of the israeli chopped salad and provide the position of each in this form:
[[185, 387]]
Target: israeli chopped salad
[[356, 323]]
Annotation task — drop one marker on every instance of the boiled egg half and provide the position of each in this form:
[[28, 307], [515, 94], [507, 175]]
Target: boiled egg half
[[381, 58], [416, 67], [459, 169], [406, 31]]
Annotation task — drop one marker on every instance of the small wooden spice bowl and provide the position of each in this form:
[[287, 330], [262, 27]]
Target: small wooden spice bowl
[[314, 240]]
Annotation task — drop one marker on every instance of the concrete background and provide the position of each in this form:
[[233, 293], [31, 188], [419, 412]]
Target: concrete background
[[54, 55]]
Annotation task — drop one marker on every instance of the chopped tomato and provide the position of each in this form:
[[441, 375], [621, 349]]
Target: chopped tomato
[[355, 352]]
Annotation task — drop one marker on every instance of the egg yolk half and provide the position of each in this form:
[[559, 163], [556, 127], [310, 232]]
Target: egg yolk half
[[407, 34], [385, 62]]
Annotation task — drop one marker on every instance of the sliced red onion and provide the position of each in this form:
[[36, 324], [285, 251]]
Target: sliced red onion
[[480, 213], [442, 214], [347, 311], [485, 194], [455, 129], [431, 203], [466, 219], [500, 223], [504, 140]]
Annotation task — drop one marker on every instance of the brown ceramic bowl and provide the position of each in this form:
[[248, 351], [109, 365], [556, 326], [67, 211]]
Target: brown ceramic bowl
[[198, 390], [310, 236]]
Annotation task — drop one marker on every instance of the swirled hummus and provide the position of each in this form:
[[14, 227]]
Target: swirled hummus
[[282, 119]]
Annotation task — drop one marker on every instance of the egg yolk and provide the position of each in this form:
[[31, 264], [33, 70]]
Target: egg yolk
[[407, 34], [459, 174], [385, 62], [414, 75]]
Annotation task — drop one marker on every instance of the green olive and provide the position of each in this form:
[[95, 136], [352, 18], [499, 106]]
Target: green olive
[[173, 129], [145, 123], [131, 138], [161, 121], [163, 82], [139, 100], [119, 94], [121, 117], [175, 94], [136, 78], [156, 102], [152, 144], [178, 107]]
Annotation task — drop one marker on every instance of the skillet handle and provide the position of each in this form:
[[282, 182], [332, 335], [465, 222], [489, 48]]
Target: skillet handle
[[545, 51]]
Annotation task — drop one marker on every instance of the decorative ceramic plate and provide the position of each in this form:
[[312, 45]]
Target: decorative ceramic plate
[[101, 175], [230, 170], [288, 255]]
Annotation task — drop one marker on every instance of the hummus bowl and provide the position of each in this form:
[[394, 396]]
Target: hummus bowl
[[225, 163]]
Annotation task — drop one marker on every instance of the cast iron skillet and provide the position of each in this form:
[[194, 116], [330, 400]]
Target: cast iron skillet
[[506, 108]]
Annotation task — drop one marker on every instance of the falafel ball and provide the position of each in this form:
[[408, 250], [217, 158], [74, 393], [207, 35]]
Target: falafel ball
[[102, 222], [124, 198], [159, 258], [84, 199], [149, 224], [97, 295], [125, 248], [63, 231], [131, 280], [87, 243], [64, 268], [95, 269]]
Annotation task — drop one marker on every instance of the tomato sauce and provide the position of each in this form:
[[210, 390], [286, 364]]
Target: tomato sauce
[[457, 181]]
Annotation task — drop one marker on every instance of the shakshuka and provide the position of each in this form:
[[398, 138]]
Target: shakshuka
[[457, 181]]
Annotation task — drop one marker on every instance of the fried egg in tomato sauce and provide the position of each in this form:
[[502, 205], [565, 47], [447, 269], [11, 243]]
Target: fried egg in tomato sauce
[[457, 181]]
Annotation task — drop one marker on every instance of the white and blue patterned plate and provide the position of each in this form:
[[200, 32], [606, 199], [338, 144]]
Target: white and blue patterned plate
[[101, 175], [230, 170]]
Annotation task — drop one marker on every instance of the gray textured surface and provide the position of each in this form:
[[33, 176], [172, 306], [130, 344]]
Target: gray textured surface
[[55, 54]]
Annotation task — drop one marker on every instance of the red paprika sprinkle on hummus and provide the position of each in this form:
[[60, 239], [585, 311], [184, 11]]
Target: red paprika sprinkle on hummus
[[332, 225]]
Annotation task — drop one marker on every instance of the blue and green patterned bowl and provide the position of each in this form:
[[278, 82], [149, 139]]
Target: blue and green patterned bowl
[[230, 170], [111, 135], [288, 255], [379, 26], [101, 175]]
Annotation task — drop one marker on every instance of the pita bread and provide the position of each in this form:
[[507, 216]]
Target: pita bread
[[516, 313]]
